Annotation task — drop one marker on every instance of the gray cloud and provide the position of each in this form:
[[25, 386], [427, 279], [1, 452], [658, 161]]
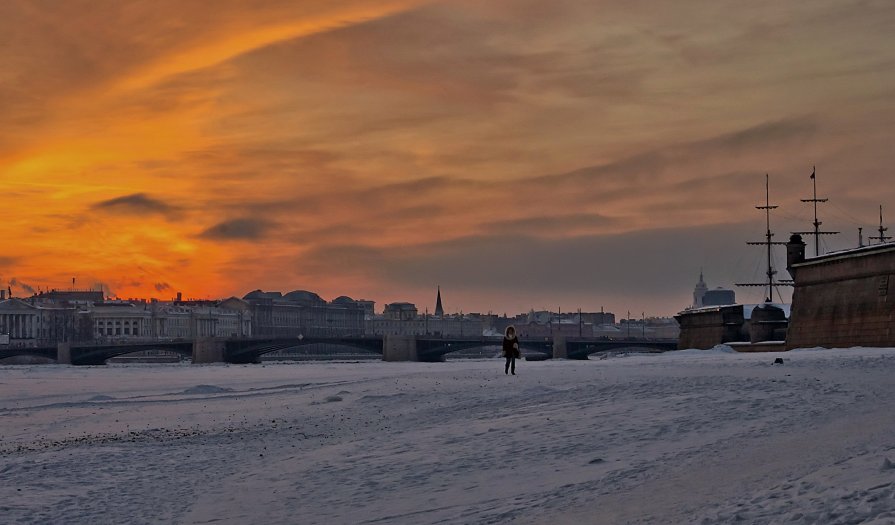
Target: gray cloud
[[241, 229], [161, 287], [652, 166], [644, 268], [553, 225], [759, 136], [690, 179], [136, 204]]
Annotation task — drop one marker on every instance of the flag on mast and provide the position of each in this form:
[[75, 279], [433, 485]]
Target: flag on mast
[[813, 168]]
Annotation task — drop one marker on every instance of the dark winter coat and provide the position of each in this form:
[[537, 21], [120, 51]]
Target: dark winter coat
[[509, 350]]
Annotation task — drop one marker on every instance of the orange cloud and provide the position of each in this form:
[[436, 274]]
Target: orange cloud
[[378, 147], [228, 45]]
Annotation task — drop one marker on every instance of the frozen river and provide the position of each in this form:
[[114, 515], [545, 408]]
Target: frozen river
[[682, 437]]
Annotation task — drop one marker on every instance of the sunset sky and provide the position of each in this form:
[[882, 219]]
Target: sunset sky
[[521, 154]]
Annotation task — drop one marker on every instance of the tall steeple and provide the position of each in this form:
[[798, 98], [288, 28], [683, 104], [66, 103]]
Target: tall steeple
[[699, 291], [439, 310]]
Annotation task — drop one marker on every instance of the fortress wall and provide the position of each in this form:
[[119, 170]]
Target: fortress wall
[[703, 329], [844, 301]]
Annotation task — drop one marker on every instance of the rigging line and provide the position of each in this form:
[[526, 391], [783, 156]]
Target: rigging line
[[845, 223], [791, 222], [792, 217], [779, 295], [848, 216], [797, 212]]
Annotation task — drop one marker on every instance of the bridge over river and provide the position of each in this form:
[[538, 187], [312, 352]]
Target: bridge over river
[[392, 348]]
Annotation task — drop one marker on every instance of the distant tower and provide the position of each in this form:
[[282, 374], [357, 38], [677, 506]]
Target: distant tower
[[699, 292], [439, 310]]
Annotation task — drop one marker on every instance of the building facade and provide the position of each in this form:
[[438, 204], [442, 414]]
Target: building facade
[[468, 325], [46, 320], [400, 311], [303, 313], [719, 297]]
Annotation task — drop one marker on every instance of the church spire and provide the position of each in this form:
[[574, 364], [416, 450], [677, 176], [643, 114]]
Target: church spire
[[699, 291], [439, 310]]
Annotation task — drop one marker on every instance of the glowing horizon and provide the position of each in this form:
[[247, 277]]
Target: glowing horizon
[[522, 154]]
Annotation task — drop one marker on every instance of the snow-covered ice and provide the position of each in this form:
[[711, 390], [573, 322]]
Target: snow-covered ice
[[681, 437]]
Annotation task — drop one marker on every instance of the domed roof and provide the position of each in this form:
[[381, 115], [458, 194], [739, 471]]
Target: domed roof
[[304, 297], [258, 294]]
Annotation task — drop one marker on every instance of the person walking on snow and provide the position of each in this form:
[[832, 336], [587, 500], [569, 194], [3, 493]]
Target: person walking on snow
[[510, 350]]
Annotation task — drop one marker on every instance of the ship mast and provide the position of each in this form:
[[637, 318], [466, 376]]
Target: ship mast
[[882, 230], [770, 284], [816, 233]]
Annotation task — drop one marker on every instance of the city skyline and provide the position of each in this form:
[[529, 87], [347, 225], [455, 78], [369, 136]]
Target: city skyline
[[520, 154], [178, 297]]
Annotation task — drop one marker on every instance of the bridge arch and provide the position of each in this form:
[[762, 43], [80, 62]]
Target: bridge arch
[[48, 353], [437, 349], [421, 348], [251, 350], [98, 355], [583, 349]]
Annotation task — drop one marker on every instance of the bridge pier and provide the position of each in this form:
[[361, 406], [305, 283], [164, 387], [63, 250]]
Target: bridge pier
[[63, 353], [560, 351], [209, 350], [399, 348]]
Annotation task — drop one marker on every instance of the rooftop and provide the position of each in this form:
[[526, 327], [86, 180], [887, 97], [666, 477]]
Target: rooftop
[[848, 254]]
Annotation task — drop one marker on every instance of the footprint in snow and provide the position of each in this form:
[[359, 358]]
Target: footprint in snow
[[206, 389], [100, 397]]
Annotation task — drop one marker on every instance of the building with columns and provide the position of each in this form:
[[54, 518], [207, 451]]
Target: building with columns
[[34, 325], [21, 322], [122, 321]]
